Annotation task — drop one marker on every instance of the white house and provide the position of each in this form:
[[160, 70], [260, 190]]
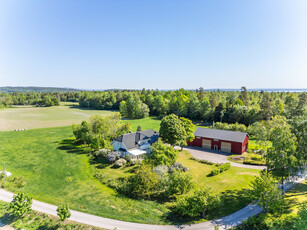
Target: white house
[[135, 144]]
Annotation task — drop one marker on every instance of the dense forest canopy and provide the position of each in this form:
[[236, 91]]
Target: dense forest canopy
[[244, 107]]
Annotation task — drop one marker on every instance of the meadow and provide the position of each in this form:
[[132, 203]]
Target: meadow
[[56, 171]]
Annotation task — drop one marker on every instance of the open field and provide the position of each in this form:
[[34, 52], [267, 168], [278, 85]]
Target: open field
[[29, 117], [56, 173]]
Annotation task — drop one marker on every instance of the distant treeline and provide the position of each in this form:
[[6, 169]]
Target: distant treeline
[[244, 107], [35, 89], [38, 99], [236, 106]]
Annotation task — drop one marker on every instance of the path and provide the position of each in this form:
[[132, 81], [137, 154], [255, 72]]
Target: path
[[216, 157], [107, 223]]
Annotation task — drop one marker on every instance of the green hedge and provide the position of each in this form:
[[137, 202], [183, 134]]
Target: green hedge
[[219, 169]]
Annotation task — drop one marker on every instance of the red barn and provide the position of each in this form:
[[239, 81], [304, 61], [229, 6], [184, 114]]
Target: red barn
[[220, 140]]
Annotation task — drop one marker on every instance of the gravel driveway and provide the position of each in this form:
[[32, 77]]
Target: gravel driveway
[[216, 157]]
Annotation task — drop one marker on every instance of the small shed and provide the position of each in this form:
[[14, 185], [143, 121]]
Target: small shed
[[221, 140]]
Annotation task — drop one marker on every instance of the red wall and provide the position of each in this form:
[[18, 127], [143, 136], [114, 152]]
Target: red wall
[[236, 147]]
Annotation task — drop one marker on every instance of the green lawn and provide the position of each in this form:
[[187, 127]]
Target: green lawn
[[29, 117], [56, 173]]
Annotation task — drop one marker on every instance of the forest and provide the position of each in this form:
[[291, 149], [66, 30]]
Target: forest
[[244, 107]]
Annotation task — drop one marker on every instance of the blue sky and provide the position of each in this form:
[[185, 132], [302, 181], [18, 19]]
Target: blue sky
[[161, 44]]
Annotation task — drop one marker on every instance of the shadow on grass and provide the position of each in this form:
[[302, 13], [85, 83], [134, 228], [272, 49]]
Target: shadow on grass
[[7, 219], [71, 146]]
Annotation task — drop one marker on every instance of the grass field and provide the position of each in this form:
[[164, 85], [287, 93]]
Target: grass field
[[29, 117], [57, 174]]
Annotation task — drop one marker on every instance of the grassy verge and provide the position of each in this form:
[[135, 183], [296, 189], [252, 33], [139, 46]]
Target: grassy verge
[[37, 220]]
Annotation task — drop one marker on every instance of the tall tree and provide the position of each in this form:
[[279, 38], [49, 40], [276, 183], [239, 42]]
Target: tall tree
[[266, 106], [281, 158], [172, 130], [244, 96], [189, 130]]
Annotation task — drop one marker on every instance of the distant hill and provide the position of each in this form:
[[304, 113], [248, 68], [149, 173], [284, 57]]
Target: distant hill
[[27, 89]]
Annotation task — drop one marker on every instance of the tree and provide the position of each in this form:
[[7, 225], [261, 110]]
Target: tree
[[134, 108], [179, 183], [197, 203], [63, 212], [266, 106], [244, 96], [139, 128], [21, 204], [172, 130], [189, 130], [162, 154], [281, 158], [299, 128], [266, 194]]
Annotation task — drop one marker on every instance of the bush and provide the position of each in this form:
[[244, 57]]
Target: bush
[[20, 204], [120, 162], [179, 183], [113, 156], [220, 168], [178, 166], [63, 212], [135, 161], [101, 152], [224, 167], [196, 204], [161, 170], [215, 171], [204, 161]]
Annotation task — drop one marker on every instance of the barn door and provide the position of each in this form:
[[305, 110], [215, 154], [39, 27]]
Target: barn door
[[225, 147], [206, 144]]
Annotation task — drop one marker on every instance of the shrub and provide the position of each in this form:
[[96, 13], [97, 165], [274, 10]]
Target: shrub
[[63, 212], [140, 185], [135, 161], [220, 168], [224, 167], [179, 183], [161, 170], [120, 162], [178, 166], [127, 158], [101, 152], [204, 161], [197, 203], [21, 204], [113, 156], [254, 159], [215, 171]]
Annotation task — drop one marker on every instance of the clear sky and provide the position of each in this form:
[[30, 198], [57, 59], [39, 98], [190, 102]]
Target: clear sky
[[165, 44]]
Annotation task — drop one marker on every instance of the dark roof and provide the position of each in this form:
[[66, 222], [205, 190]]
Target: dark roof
[[131, 139], [220, 134]]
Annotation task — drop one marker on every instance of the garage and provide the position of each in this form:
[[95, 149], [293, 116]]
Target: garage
[[226, 147], [206, 144]]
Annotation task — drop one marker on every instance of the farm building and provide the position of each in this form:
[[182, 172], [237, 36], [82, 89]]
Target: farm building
[[221, 140]]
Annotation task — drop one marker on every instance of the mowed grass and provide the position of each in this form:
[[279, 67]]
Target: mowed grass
[[29, 117]]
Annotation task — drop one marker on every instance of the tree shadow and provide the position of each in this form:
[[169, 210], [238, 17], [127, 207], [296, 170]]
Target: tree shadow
[[7, 219], [71, 146]]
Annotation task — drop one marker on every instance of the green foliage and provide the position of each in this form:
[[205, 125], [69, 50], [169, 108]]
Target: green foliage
[[299, 128], [172, 130], [134, 108], [139, 128], [20, 204], [220, 168], [266, 194], [142, 184], [232, 127], [120, 162], [300, 222], [281, 156], [63, 212], [179, 183], [189, 128], [162, 154], [198, 203], [254, 159]]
